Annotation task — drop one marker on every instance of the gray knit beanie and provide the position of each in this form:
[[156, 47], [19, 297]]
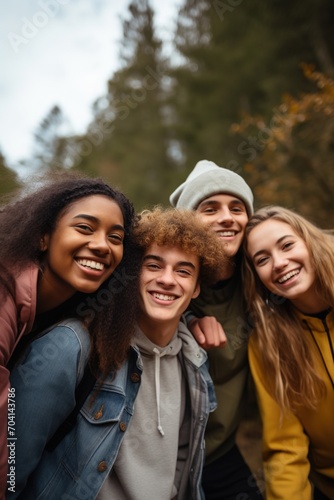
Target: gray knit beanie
[[208, 179]]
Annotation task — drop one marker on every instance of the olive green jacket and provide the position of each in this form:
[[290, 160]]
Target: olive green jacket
[[229, 365]]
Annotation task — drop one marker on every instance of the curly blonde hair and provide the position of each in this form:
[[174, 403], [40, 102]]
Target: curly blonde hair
[[180, 228], [281, 343]]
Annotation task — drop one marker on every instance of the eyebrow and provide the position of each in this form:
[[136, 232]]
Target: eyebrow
[[277, 242], [160, 259], [205, 203], [95, 219], [215, 202]]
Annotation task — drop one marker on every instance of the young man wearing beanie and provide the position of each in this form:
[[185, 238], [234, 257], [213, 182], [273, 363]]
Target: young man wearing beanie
[[222, 200]]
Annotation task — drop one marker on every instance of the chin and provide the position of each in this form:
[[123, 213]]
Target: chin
[[231, 252], [87, 290]]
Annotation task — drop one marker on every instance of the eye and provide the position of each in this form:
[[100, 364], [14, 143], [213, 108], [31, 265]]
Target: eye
[[237, 210], [261, 261], [84, 228], [184, 272], [206, 210], [116, 238], [287, 245], [153, 267]]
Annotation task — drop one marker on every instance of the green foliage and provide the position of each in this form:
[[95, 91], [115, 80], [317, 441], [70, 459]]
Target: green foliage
[[291, 158], [239, 57], [131, 118], [233, 61], [9, 179]]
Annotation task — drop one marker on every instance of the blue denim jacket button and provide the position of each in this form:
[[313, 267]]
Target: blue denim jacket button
[[102, 467], [135, 377], [122, 426], [99, 413]]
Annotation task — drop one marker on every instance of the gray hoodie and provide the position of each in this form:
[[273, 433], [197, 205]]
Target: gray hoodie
[[147, 459], [162, 452]]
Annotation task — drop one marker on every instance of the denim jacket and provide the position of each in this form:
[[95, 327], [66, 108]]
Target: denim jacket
[[44, 389], [45, 385]]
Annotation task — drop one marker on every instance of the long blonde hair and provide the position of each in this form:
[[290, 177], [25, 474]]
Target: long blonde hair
[[278, 332]]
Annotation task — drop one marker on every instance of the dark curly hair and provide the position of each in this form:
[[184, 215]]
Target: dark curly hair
[[181, 228], [110, 311], [32, 214]]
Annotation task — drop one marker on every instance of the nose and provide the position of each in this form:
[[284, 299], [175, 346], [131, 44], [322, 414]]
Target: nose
[[166, 277], [224, 216], [99, 242], [279, 262]]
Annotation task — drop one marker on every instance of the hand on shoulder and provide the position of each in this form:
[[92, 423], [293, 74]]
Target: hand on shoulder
[[208, 332]]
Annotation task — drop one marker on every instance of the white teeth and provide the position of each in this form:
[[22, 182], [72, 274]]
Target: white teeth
[[92, 264], [226, 233], [288, 276], [161, 296]]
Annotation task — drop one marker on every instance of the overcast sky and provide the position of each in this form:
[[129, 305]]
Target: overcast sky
[[59, 52]]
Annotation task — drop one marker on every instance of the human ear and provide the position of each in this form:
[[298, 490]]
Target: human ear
[[44, 243], [196, 291]]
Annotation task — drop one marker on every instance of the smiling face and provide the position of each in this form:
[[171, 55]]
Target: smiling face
[[168, 282], [82, 251], [227, 216], [282, 262]]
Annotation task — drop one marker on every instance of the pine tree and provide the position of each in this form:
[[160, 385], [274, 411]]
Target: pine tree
[[9, 179], [51, 143], [238, 58], [131, 118]]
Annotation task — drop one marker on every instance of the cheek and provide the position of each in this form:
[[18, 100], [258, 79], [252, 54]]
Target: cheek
[[58, 264], [206, 219], [143, 279], [312, 273], [62, 244], [54, 254], [243, 224], [309, 263], [242, 232], [263, 275]]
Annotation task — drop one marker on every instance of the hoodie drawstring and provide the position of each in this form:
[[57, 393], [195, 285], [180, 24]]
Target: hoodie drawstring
[[158, 355]]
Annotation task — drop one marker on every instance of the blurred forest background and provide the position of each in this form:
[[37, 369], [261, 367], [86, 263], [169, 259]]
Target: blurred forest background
[[249, 85]]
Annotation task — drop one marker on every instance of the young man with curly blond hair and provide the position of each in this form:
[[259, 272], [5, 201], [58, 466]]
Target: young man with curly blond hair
[[162, 453]]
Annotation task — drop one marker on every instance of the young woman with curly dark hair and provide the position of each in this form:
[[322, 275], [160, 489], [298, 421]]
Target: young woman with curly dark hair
[[66, 251]]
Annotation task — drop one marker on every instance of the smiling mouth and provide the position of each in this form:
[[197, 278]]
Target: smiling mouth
[[226, 233], [162, 296], [91, 264], [288, 276]]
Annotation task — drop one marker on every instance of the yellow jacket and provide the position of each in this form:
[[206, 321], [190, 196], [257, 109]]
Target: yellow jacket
[[300, 447]]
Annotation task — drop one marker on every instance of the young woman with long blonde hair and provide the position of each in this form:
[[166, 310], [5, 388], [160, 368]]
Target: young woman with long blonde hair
[[289, 287]]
